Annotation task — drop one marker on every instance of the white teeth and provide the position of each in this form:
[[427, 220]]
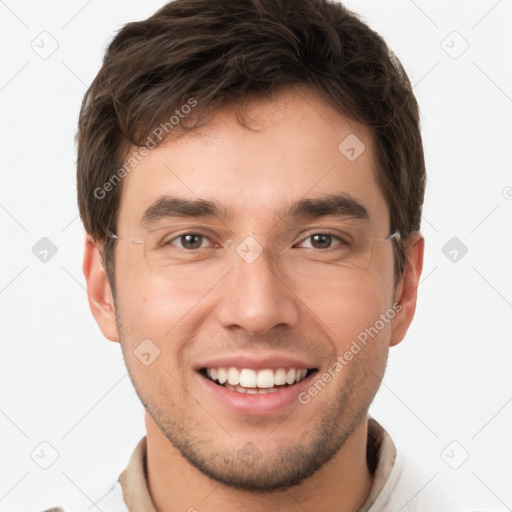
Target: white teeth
[[222, 376], [280, 377], [252, 381], [290, 376], [299, 374], [250, 391], [265, 379], [269, 390], [248, 378], [233, 376]]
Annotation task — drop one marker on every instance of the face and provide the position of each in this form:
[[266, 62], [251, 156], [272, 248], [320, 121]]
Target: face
[[257, 291]]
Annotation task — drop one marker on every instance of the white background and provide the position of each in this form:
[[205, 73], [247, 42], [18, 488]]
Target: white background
[[450, 380]]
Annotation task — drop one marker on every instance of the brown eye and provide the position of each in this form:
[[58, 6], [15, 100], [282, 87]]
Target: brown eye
[[190, 241], [321, 241]]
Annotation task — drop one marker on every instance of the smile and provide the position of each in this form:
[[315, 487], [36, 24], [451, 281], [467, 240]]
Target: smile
[[250, 381]]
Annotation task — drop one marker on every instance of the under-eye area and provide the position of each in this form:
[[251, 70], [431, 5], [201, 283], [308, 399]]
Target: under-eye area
[[251, 381]]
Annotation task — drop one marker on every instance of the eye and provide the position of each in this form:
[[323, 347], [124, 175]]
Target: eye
[[189, 241], [322, 240]]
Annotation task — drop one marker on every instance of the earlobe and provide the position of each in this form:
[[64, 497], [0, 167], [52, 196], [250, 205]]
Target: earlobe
[[407, 290], [99, 293]]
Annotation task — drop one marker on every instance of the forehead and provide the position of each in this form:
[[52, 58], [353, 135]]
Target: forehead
[[296, 147]]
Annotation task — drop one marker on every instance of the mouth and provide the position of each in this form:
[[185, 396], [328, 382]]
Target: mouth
[[256, 381]]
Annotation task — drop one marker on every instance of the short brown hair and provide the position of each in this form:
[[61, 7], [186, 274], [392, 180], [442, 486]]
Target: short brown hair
[[221, 52]]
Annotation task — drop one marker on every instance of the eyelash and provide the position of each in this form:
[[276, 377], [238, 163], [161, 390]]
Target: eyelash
[[326, 233]]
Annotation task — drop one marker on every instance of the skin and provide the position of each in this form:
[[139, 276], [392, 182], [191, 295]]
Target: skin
[[308, 457]]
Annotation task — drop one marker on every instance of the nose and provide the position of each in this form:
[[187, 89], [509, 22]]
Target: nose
[[256, 297]]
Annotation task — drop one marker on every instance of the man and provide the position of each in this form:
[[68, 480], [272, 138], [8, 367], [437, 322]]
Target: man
[[251, 179]]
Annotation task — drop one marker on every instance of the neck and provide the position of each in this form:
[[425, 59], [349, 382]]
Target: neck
[[342, 484]]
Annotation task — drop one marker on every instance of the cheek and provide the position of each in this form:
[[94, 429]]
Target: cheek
[[152, 306], [152, 342], [353, 309], [144, 319]]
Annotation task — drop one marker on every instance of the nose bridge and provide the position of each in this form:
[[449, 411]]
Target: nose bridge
[[255, 296]]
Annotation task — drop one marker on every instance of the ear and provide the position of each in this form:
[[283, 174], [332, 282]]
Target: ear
[[99, 294], [407, 290]]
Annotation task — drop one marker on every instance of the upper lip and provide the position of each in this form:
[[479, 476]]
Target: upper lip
[[256, 362]]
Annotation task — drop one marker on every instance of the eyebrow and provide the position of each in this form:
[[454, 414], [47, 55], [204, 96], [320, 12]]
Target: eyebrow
[[338, 205]]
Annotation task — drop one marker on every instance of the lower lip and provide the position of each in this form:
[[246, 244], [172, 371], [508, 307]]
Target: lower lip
[[256, 405]]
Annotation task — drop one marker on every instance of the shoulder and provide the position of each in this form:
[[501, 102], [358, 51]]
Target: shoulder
[[399, 485], [408, 490]]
